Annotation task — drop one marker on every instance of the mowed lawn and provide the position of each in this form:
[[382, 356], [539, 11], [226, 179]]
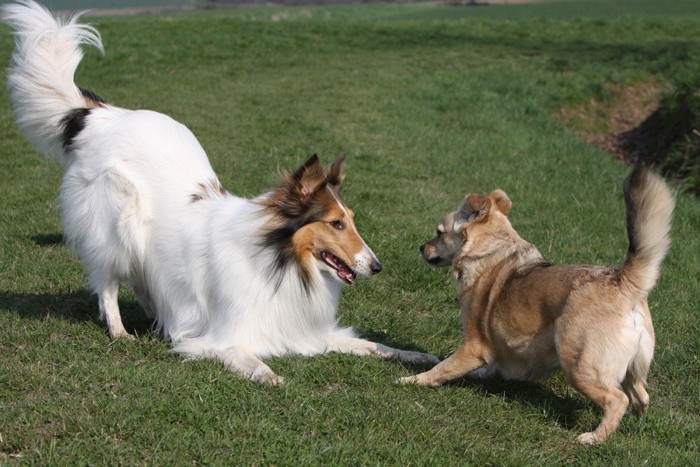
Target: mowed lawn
[[429, 102]]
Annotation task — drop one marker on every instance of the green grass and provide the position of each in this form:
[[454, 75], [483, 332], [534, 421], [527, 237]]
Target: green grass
[[428, 102]]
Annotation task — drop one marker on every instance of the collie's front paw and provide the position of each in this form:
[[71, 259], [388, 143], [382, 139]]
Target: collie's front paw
[[268, 378]]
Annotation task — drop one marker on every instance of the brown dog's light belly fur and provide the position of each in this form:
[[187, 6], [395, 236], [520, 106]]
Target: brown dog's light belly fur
[[524, 317]]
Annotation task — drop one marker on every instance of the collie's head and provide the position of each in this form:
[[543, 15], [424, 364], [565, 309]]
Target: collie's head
[[311, 227]]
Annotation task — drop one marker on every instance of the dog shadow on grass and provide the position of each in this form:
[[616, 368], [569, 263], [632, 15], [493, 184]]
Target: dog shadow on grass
[[563, 404], [77, 307], [53, 239]]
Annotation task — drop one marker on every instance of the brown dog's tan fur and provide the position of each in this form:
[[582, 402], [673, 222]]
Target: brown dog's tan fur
[[524, 317]]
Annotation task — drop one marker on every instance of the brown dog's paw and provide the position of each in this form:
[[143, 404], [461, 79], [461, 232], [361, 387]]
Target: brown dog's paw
[[407, 380], [589, 439], [418, 380]]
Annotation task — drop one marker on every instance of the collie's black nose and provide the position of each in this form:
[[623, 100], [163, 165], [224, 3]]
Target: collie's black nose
[[376, 267], [421, 248]]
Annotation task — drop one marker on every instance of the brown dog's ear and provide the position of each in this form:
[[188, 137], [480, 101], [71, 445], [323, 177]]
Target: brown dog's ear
[[501, 200], [336, 172], [308, 178], [474, 208]]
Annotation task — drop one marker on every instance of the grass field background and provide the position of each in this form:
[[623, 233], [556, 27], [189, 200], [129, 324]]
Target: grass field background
[[428, 102]]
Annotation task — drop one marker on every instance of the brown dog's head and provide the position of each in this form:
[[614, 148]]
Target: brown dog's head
[[478, 212]]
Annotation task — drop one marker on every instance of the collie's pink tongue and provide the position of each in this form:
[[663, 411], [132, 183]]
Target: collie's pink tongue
[[343, 271], [347, 275]]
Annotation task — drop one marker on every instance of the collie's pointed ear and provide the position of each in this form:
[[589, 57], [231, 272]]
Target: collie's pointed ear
[[306, 166], [308, 178], [336, 172], [474, 208], [501, 200]]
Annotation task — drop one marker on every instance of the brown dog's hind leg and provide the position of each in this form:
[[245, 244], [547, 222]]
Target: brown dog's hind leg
[[467, 358], [611, 399], [637, 394]]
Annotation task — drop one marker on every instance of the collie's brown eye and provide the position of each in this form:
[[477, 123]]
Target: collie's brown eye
[[338, 225]]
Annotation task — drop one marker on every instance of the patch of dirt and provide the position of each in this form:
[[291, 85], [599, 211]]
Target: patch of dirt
[[649, 124], [610, 123]]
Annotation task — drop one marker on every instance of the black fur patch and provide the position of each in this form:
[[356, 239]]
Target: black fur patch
[[92, 96], [73, 123], [279, 240]]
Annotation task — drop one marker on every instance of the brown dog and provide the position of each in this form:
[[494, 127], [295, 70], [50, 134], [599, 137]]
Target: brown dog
[[524, 317]]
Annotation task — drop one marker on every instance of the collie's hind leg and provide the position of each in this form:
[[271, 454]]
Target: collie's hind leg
[[109, 310], [357, 346], [102, 224]]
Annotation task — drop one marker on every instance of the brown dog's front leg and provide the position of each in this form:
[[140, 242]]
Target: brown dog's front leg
[[467, 358]]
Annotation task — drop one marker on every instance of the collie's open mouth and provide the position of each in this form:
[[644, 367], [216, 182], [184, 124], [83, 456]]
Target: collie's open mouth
[[343, 270]]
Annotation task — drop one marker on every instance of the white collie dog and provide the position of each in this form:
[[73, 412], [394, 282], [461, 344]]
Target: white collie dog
[[224, 277]]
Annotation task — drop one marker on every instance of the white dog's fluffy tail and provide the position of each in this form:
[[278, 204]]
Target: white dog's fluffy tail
[[40, 78], [649, 211]]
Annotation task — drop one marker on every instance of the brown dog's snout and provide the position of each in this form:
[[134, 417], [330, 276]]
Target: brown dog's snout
[[427, 250], [430, 254]]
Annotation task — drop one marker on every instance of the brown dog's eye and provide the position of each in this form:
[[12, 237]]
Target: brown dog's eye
[[338, 225]]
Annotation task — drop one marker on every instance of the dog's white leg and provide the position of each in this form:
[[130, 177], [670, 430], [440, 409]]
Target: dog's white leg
[[109, 310], [242, 361], [464, 360], [357, 346], [235, 358]]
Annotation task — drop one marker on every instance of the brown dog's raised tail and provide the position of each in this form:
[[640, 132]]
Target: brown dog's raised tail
[[650, 206]]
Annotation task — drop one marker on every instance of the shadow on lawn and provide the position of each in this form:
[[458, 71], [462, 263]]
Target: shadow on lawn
[[664, 55], [72, 307], [53, 239], [562, 408]]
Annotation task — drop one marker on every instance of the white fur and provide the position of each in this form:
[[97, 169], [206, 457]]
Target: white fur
[[127, 207]]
